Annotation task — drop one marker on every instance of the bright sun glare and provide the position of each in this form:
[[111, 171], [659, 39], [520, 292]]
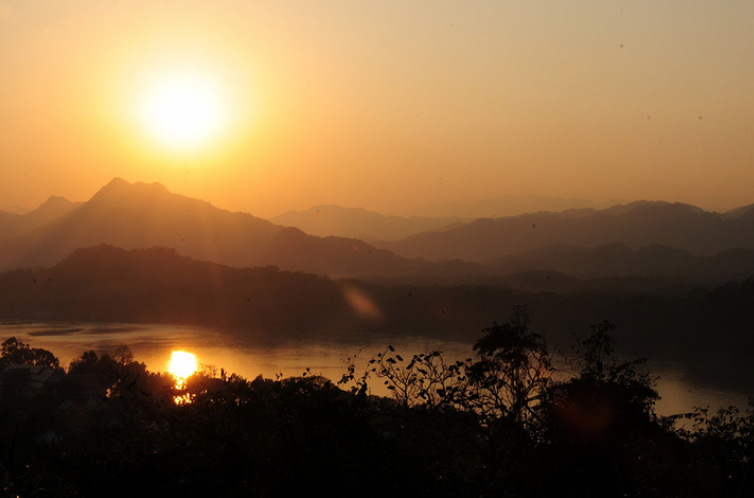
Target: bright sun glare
[[183, 110], [181, 366]]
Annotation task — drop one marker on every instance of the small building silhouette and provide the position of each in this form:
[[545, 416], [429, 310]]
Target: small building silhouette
[[21, 381]]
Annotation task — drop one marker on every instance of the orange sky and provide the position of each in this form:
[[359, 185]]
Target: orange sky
[[388, 105]]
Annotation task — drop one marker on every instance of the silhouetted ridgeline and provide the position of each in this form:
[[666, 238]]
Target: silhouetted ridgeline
[[16, 224], [617, 260], [134, 216], [671, 245], [635, 225], [140, 215], [159, 286], [359, 223]]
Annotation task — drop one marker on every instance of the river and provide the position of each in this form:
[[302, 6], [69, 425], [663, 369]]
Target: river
[[681, 388]]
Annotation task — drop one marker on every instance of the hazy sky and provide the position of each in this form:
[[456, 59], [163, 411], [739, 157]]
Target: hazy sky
[[388, 105]]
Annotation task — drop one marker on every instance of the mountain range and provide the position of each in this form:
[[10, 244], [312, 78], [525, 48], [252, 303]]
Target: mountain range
[[571, 249], [141, 215], [12, 224], [361, 224], [511, 205], [636, 225]]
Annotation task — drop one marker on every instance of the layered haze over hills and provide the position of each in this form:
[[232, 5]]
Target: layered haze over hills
[[360, 223], [558, 251], [16, 209], [16, 223], [139, 215], [667, 273], [512, 205], [636, 225], [157, 285]]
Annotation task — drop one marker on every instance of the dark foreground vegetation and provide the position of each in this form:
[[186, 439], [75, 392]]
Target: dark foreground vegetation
[[502, 424]]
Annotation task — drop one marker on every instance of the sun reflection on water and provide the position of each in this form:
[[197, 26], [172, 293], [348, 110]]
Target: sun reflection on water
[[181, 366]]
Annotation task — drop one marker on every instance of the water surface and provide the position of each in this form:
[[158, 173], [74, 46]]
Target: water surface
[[680, 387]]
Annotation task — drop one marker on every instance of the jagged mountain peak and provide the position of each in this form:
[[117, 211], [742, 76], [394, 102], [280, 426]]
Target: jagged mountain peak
[[118, 187], [54, 203]]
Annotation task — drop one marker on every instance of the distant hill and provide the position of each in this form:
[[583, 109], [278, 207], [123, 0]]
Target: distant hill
[[16, 209], [635, 225], [747, 210], [55, 207], [294, 250], [359, 223], [157, 285], [511, 205]]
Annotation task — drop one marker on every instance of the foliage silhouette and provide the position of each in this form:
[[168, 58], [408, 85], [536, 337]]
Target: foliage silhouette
[[499, 424], [14, 351]]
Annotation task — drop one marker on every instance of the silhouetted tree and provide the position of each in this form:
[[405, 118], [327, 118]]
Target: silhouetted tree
[[511, 375], [726, 441], [605, 436], [88, 362], [14, 351], [123, 355]]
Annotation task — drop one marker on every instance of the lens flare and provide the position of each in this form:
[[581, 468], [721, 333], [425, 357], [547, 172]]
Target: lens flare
[[364, 305]]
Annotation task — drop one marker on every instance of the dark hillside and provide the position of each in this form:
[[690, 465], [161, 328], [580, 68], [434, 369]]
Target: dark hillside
[[159, 286], [617, 260]]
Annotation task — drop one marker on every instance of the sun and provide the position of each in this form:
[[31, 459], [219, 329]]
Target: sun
[[183, 110]]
